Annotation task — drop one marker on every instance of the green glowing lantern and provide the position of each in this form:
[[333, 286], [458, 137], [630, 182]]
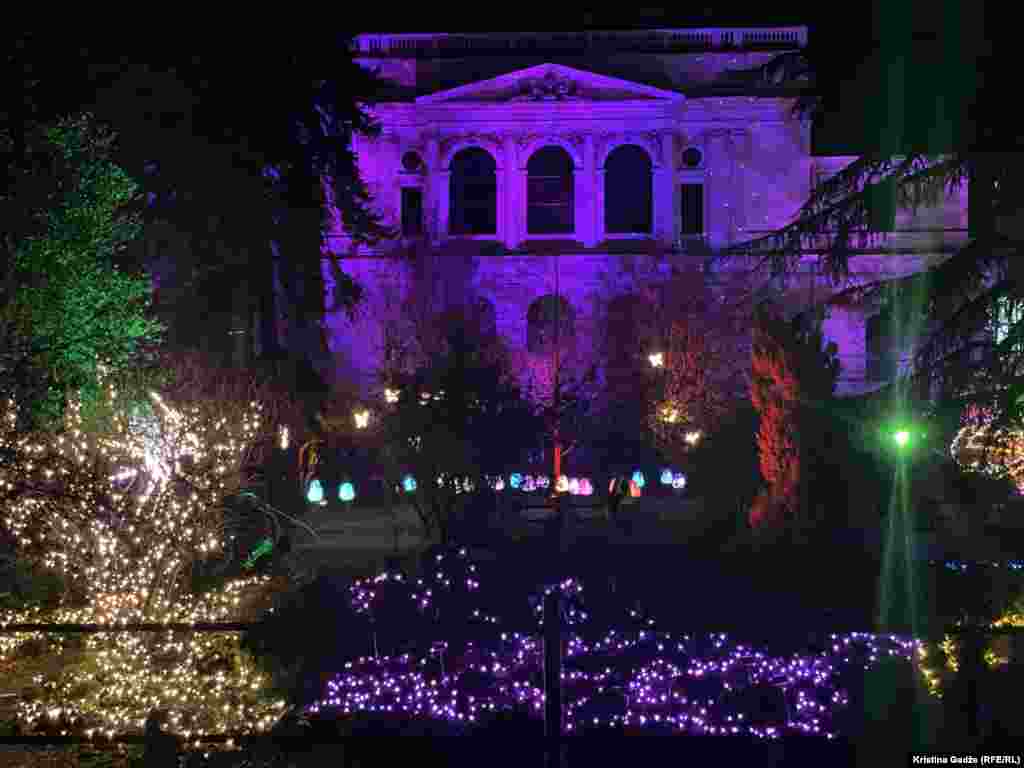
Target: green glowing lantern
[[902, 438], [638, 478], [315, 492], [347, 491]]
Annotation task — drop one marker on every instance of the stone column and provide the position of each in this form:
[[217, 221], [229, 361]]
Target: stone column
[[510, 219], [664, 192], [443, 203]]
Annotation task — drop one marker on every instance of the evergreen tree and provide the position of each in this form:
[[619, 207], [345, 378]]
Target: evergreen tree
[[932, 132], [239, 148], [69, 310]]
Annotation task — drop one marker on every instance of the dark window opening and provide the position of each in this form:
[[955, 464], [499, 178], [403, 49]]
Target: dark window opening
[[692, 157], [692, 209], [412, 162], [412, 211], [550, 193], [627, 191], [474, 194]]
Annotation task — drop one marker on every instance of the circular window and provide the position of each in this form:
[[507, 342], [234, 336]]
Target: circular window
[[411, 162], [692, 157]]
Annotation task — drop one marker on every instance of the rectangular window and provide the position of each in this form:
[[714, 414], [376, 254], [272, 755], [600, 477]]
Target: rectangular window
[[692, 209], [1006, 318], [412, 211]]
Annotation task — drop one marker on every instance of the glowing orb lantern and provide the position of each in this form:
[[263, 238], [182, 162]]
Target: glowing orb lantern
[[499, 484], [528, 484], [666, 477], [586, 487], [515, 480], [543, 482], [315, 492], [574, 486], [362, 418], [634, 489], [679, 481], [409, 484], [347, 491], [562, 485], [638, 478]]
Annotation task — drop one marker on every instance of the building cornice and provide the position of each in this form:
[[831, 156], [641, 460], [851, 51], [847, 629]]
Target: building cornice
[[442, 45]]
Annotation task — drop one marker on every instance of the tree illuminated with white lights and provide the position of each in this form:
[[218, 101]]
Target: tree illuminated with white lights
[[123, 515]]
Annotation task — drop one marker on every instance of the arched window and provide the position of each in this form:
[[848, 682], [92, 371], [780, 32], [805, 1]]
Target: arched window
[[548, 317], [550, 193], [474, 193], [627, 191]]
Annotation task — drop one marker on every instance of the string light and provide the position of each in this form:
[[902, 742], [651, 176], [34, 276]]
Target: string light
[[633, 678], [125, 515], [995, 452]]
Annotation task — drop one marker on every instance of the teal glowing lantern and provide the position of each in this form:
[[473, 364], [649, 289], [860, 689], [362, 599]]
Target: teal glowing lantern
[[516, 480], [638, 478], [347, 491], [315, 492], [679, 481], [666, 477], [409, 484]]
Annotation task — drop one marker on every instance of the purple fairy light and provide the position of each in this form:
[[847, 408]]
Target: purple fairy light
[[631, 677]]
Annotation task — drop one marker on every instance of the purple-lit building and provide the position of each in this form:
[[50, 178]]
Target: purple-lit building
[[613, 156]]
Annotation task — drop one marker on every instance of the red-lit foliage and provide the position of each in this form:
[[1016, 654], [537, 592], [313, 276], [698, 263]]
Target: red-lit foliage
[[791, 373]]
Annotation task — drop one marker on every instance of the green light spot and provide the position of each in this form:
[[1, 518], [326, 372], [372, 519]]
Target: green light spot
[[902, 438]]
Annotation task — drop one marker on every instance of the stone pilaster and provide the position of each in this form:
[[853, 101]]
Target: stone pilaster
[[738, 142], [433, 190], [664, 192], [510, 235], [588, 226], [719, 192]]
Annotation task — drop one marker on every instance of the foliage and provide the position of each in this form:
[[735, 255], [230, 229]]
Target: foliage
[[202, 127], [724, 472], [458, 421], [130, 509], [919, 158], [793, 376], [111, 683], [71, 308], [996, 452], [26, 584], [123, 517], [703, 357]]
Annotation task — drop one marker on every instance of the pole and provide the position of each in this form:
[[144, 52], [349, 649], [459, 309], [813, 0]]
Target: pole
[[553, 679]]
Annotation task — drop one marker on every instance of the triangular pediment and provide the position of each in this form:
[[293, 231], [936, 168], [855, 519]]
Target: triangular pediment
[[552, 83]]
